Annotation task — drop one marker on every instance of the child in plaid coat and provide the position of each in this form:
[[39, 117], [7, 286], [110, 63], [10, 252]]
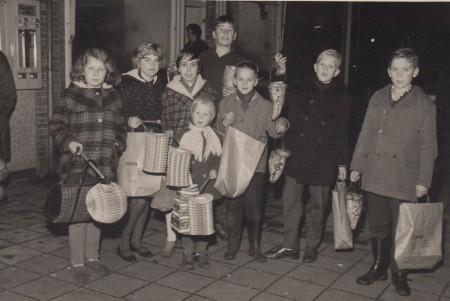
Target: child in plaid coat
[[88, 118]]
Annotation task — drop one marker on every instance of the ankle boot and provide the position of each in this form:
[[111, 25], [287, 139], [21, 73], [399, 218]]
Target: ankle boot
[[254, 238], [381, 260], [400, 280]]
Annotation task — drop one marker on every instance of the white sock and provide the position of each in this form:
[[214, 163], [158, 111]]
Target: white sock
[[171, 236]]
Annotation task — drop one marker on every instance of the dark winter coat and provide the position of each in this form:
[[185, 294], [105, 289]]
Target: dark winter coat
[[93, 118], [397, 146], [140, 98], [8, 99], [317, 138]]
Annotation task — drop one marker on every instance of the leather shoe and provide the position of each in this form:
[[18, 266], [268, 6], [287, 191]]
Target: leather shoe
[[400, 281], [127, 256], [142, 251], [221, 233], [230, 254], [310, 255], [280, 252]]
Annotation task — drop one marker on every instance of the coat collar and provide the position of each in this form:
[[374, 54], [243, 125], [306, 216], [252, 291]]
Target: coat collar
[[177, 86]]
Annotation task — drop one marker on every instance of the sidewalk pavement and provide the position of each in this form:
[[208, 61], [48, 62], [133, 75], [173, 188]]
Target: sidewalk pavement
[[34, 264]]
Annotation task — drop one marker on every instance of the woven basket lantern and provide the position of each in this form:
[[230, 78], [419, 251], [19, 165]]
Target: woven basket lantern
[[178, 163], [201, 214], [106, 203], [4, 172], [156, 149]]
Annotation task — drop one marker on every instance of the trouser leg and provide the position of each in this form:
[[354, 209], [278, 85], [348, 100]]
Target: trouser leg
[[136, 238], [188, 244], [134, 212], [234, 209], [77, 242], [316, 223], [292, 212]]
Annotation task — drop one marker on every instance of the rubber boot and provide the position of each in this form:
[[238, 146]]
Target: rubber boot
[[381, 259], [254, 239], [400, 280], [234, 240]]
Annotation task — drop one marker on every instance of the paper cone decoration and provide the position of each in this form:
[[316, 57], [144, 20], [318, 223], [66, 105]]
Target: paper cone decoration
[[277, 92], [277, 161], [228, 76], [354, 207]]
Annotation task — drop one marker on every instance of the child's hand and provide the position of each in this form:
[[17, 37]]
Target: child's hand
[[228, 90], [134, 122], [74, 146], [280, 60], [228, 120], [281, 125], [213, 174]]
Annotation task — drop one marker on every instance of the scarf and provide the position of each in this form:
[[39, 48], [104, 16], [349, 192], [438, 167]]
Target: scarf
[[196, 137]]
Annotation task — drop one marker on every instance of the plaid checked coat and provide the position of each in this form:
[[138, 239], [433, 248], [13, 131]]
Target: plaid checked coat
[[177, 100], [93, 118]]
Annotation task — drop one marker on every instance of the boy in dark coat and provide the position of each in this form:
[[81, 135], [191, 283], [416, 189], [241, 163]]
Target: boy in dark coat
[[317, 109]]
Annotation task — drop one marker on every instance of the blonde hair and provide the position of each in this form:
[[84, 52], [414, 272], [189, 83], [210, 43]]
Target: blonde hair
[[204, 101], [330, 52]]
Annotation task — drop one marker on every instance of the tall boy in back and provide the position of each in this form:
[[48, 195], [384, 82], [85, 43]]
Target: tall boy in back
[[317, 108], [250, 113]]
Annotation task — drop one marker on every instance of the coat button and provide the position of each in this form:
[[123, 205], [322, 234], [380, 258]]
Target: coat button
[[99, 120], [302, 134], [323, 123], [384, 111], [380, 131], [306, 118], [311, 101]]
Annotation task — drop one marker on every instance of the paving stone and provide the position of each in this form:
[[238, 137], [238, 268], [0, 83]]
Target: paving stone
[[157, 293], [226, 291], [44, 264], [84, 294], [174, 261], [313, 275], [5, 244], [442, 273], [44, 288], [113, 261], [331, 263], [19, 235], [447, 292], [355, 255], [45, 244], [16, 253], [63, 252], [157, 239], [422, 282], [295, 289], [67, 274], [271, 238], [241, 258], [147, 271], [390, 295], [278, 267], [348, 284], [116, 285], [217, 270], [251, 278], [331, 294], [196, 298], [13, 276], [40, 227], [23, 220], [185, 281], [5, 227], [11, 296], [269, 297]]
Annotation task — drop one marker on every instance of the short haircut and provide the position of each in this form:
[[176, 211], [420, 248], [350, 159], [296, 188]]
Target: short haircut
[[406, 53], [195, 29], [112, 73], [225, 19], [189, 54], [330, 52], [249, 65], [147, 48], [203, 99]]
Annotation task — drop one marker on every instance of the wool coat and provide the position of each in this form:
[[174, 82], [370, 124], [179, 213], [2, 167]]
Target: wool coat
[[256, 121], [397, 145], [8, 99], [93, 118], [318, 136], [177, 101]]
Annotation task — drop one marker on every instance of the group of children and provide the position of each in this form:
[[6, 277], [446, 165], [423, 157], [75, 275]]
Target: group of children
[[197, 110]]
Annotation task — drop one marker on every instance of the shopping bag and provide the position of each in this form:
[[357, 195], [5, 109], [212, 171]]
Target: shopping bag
[[418, 238], [134, 181], [341, 225], [240, 157], [353, 198]]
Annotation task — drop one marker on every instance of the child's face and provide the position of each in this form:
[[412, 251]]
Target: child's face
[[149, 65], [326, 69], [245, 80], [201, 116], [188, 69], [224, 34], [94, 72], [402, 72]]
